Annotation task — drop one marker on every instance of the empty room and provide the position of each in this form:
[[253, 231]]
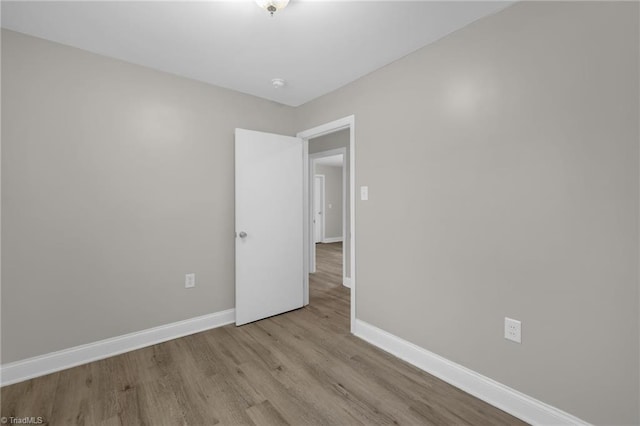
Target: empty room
[[307, 212]]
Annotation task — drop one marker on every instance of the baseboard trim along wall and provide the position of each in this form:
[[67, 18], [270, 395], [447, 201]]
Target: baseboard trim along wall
[[26, 369], [332, 240], [503, 397]]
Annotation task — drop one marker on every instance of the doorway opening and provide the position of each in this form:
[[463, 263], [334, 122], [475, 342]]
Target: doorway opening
[[329, 197], [329, 213]]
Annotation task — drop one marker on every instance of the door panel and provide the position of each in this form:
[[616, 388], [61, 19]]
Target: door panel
[[318, 207], [269, 244]]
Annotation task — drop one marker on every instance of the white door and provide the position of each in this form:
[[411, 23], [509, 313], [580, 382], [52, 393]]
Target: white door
[[269, 226], [318, 207]]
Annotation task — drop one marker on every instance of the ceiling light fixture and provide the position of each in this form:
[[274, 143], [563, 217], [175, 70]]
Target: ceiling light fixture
[[272, 6]]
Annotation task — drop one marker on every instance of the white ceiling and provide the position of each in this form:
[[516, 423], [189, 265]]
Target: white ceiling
[[316, 46], [334, 160]]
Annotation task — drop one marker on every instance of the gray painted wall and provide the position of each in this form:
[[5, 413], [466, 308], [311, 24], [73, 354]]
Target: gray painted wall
[[502, 165], [116, 181], [328, 142], [332, 197]]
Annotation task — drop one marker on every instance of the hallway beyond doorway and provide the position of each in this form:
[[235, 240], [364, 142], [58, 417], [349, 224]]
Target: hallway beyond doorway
[[328, 267]]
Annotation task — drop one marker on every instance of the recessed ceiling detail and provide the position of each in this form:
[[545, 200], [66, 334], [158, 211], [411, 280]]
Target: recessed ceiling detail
[[319, 46]]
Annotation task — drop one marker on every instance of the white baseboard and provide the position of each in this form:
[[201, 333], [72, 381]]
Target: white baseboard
[[26, 369], [332, 240], [503, 397], [346, 282]]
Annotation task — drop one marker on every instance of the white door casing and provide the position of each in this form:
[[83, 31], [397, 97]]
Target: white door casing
[[309, 261], [269, 224]]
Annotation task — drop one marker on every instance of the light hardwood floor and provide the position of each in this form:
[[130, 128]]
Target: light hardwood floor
[[303, 367]]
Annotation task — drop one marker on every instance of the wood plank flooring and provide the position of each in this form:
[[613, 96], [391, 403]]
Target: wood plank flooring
[[299, 368]]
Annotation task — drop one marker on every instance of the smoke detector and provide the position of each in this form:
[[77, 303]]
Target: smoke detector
[[277, 83]]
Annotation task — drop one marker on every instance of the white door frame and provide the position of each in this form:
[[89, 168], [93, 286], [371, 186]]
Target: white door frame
[[312, 247], [322, 202], [325, 129]]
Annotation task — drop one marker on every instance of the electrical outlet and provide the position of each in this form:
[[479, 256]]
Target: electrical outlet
[[189, 280], [512, 330]]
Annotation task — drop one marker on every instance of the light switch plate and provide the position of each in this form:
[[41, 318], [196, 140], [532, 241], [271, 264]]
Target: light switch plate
[[364, 193]]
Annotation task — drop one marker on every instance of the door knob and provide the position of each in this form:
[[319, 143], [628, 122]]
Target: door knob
[[242, 234]]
